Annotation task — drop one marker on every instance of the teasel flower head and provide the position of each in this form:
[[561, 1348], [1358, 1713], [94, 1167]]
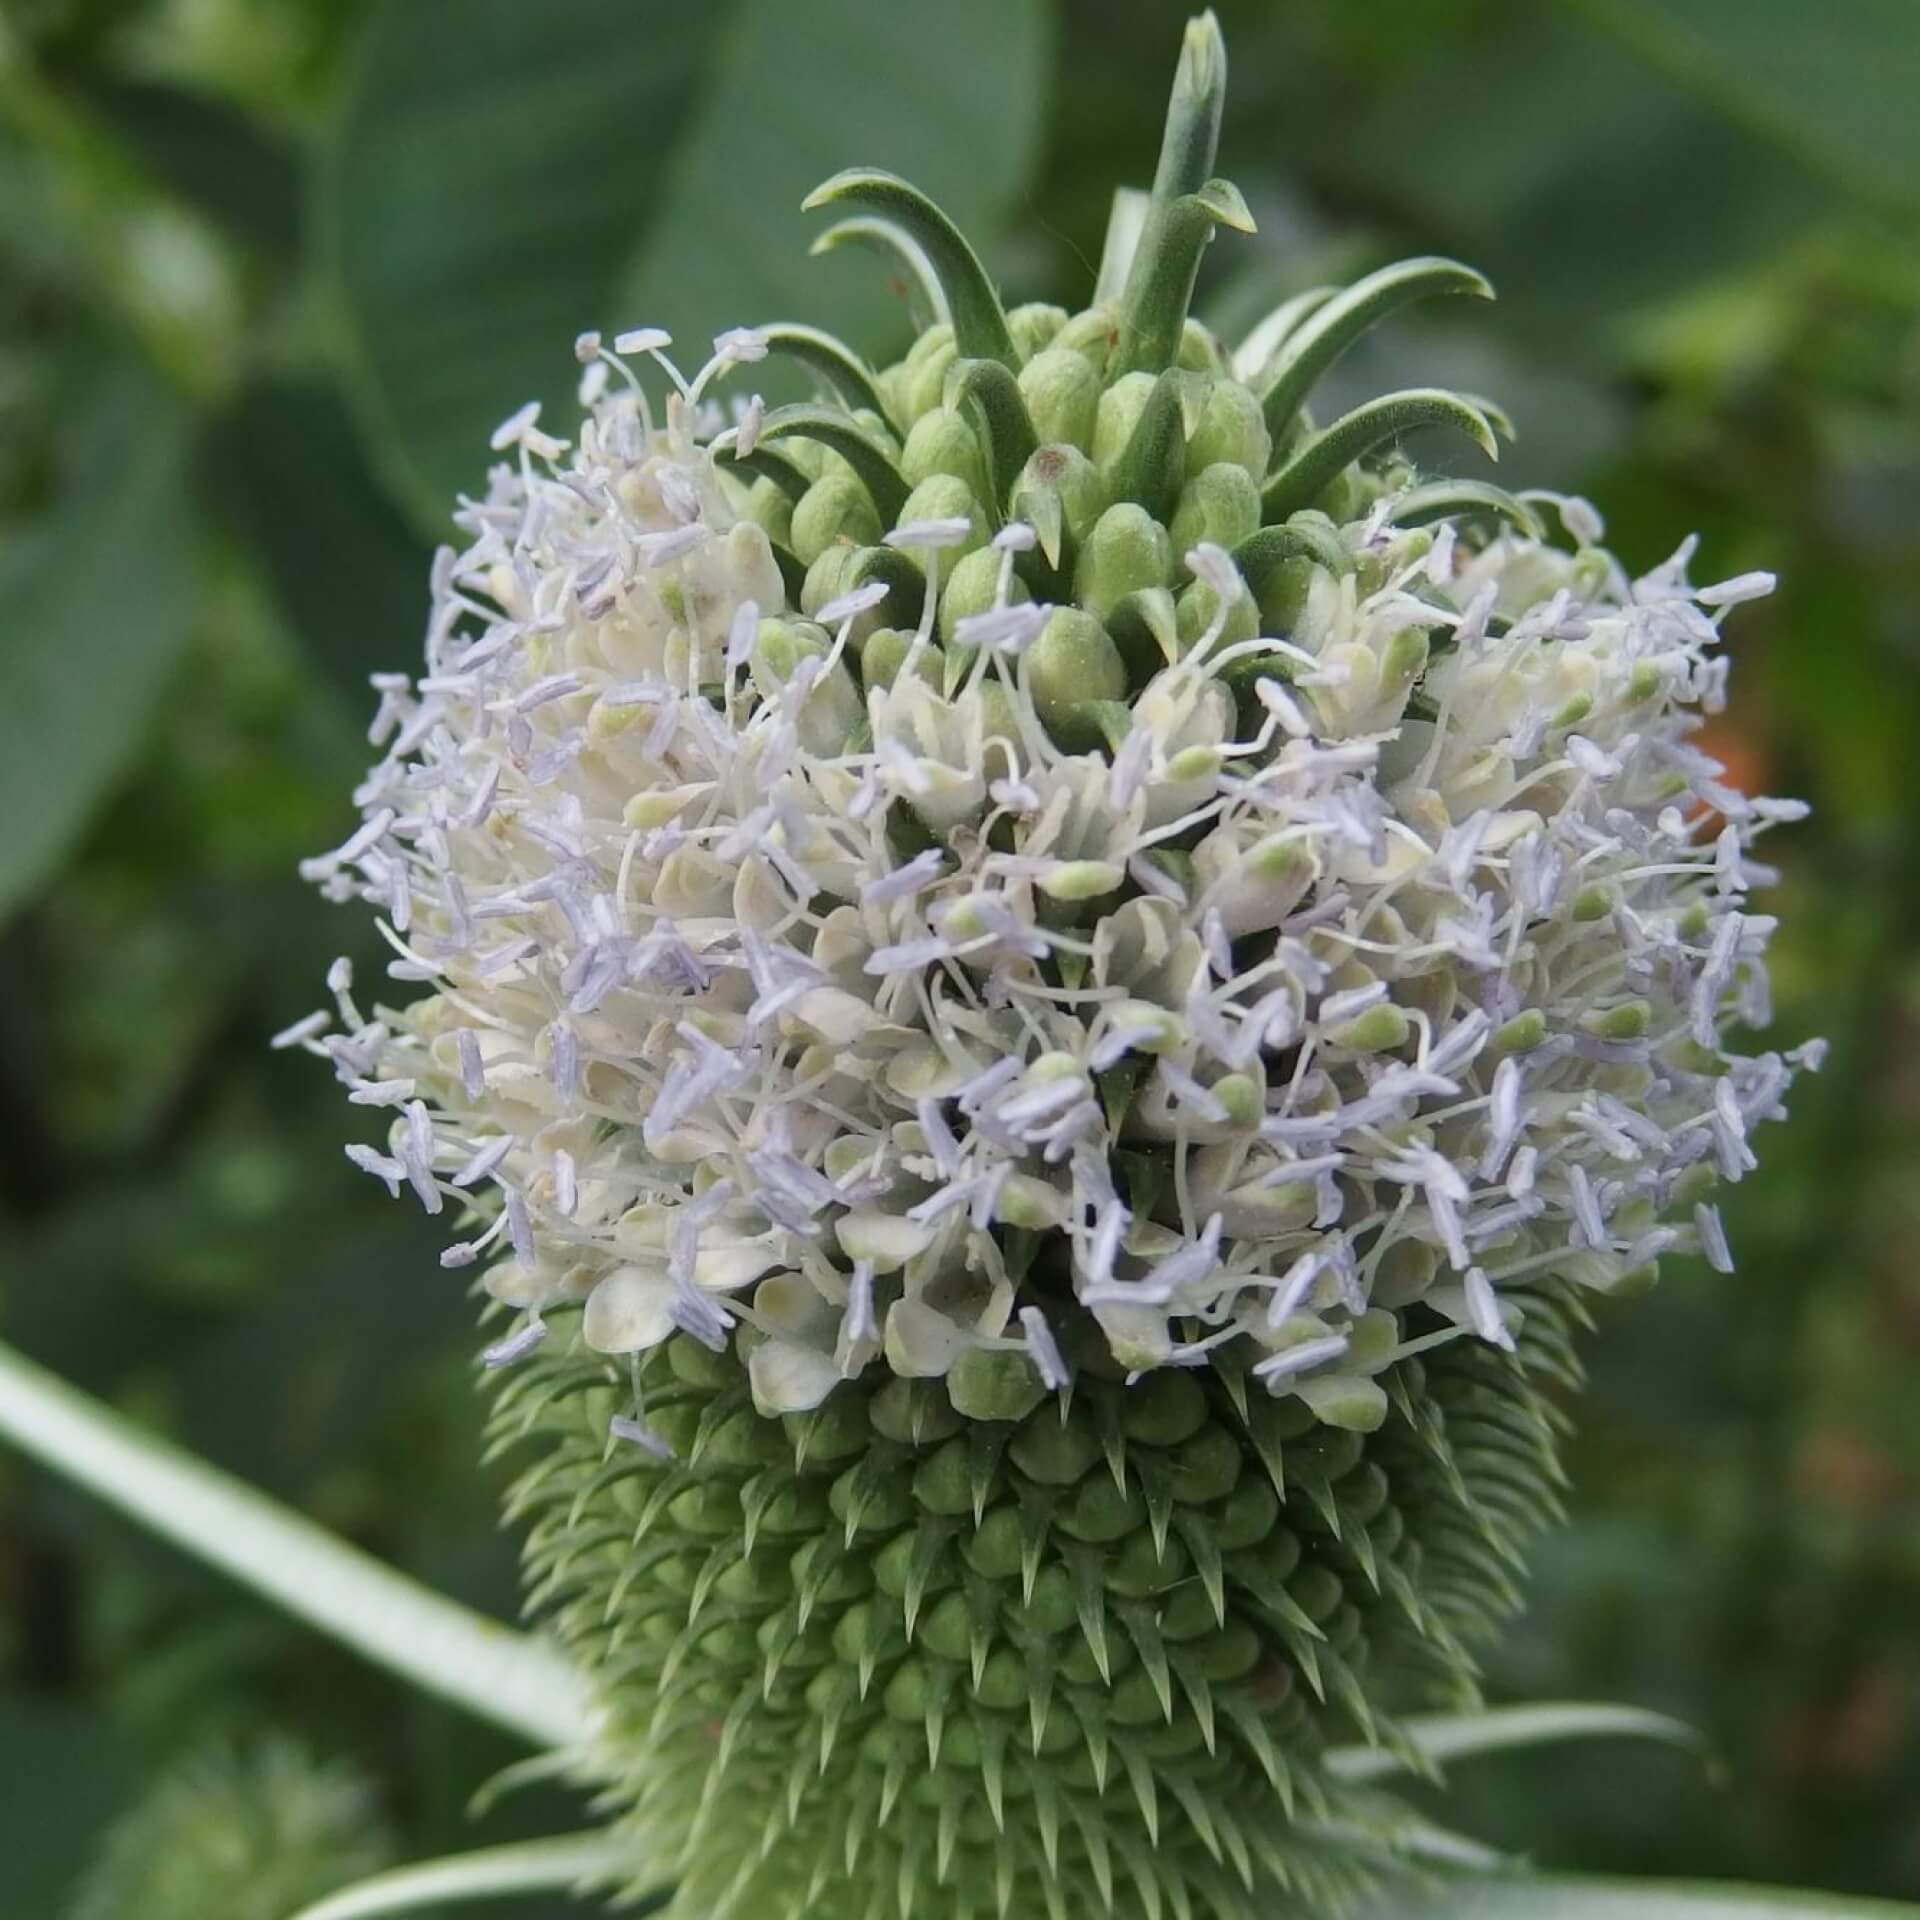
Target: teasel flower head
[[1038, 989]]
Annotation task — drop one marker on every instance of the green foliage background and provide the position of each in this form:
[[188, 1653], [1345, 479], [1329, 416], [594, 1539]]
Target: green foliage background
[[270, 269]]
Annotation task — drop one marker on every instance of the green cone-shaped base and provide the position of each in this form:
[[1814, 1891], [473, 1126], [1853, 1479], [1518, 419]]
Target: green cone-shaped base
[[886, 1653]]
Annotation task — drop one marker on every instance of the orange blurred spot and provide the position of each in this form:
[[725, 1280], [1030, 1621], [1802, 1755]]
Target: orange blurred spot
[[1742, 758]]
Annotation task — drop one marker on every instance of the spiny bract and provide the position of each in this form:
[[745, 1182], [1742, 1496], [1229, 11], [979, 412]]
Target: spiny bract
[[1046, 981]]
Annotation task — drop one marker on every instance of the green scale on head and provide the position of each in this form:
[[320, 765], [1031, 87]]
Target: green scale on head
[[1080, 1658]]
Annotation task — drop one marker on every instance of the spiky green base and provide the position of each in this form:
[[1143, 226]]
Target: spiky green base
[[1085, 1661]]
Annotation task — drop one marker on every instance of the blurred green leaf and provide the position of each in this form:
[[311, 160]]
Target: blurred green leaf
[[505, 176], [67, 1769], [1565, 195], [97, 600], [1838, 83], [285, 470], [491, 171], [1558, 1897], [209, 153], [803, 92]]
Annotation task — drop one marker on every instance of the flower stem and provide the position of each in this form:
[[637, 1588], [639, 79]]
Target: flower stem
[[494, 1671]]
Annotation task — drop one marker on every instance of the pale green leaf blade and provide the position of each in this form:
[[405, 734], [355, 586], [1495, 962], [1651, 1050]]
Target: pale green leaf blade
[[1444, 1737], [1563, 1897], [1125, 224], [503, 177], [489, 1873], [494, 1671], [492, 165], [97, 599], [805, 92], [1836, 84], [348, 574]]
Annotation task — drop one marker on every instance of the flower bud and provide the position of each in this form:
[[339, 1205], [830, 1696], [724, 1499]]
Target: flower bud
[[1200, 351], [1060, 494], [1073, 661], [835, 509], [832, 709], [1126, 550], [1092, 334], [1119, 413], [1198, 607], [1220, 504], [944, 496], [885, 652], [1062, 393], [973, 586], [941, 441], [925, 371], [1231, 428], [769, 506], [1033, 327]]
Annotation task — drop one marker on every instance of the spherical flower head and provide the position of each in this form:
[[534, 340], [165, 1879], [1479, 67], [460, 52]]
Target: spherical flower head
[[1098, 951], [894, 1002]]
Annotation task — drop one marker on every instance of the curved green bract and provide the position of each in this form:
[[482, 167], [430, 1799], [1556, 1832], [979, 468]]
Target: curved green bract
[[890, 238], [979, 325], [1198, 98], [1159, 282], [1321, 338], [1463, 499], [1160, 287], [1252, 355], [1316, 540], [836, 362], [898, 575], [989, 397], [1498, 418], [1321, 459], [766, 465], [869, 460], [1146, 630]]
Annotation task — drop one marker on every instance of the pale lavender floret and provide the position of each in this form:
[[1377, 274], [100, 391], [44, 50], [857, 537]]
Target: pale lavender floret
[[1043, 1350], [1483, 1309], [310, 1027], [637, 1433], [1295, 1285], [1299, 1359], [517, 1345]]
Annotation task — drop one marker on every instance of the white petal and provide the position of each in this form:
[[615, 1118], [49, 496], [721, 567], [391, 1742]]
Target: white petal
[[627, 1311]]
